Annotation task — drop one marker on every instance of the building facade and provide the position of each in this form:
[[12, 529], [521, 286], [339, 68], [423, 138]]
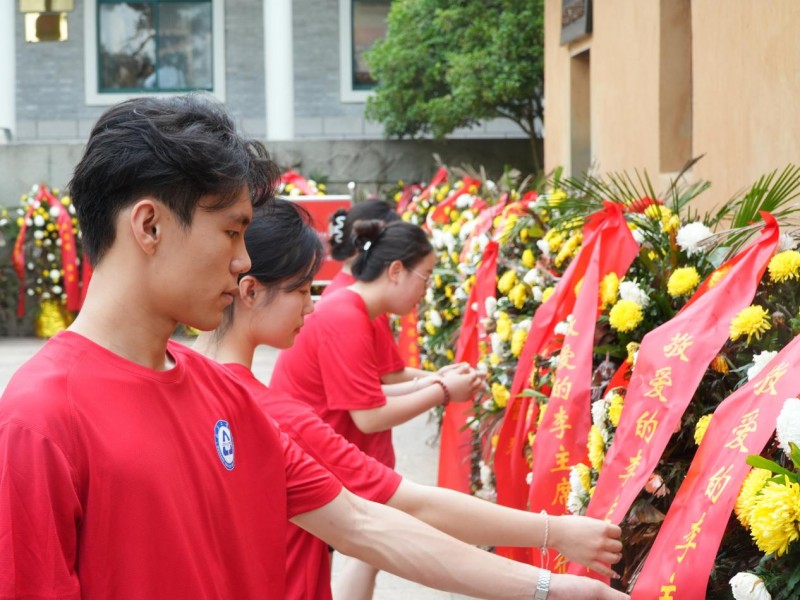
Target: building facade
[[650, 84]]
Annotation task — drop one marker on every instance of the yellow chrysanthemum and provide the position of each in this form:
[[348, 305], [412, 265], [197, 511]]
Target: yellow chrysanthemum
[[503, 326], [700, 428], [683, 282], [584, 476], [430, 328], [508, 227], [528, 260], [615, 408], [548, 291], [775, 517], [717, 276], [507, 281], [597, 448], [524, 237], [455, 228], [752, 322], [671, 225], [556, 198], [658, 212], [568, 249], [437, 280], [785, 266], [518, 341], [554, 240], [609, 289], [746, 499], [625, 316], [494, 360], [631, 348], [500, 394], [449, 354], [518, 295]]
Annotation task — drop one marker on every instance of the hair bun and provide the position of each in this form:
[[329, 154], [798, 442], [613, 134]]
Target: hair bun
[[366, 231]]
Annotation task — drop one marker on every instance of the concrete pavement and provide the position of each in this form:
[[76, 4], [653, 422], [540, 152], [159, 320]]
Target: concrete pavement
[[417, 457]]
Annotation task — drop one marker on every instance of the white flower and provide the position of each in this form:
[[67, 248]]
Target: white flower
[[429, 295], [537, 293], [544, 247], [760, 361], [486, 474], [463, 201], [437, 236], [55, 275], [38, 234], [490, 185], [788, 429], [488, 404], [525, 325], [38, 220], [575, 500], [529, 478], [786, 242], [563, 327], [638, 236], [497, 344], [460, 294], [473, 423], [55, 211], [467, 228], [51, 257], [598, 412], [533, 277], [630, 290], [435, 318], [690, 235], [483, 368], [490, 304], [449, 241], [746, 586], [56, 289]]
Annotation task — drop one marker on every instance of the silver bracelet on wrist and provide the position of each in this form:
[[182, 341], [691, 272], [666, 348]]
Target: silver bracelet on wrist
[[542, 585]]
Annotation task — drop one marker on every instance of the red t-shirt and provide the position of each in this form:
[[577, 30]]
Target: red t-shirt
[[308, 569], [119, 481], [332, 367], [387, 352]]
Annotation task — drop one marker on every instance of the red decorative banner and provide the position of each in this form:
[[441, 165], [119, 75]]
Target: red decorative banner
[[511, 468], [670, 364], [563, 434], [682, 557], [438, 179], [440, 213], [408, 339], [456, 441], [484, 224]]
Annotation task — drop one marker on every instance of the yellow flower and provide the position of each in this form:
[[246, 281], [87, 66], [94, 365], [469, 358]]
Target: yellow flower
[[455, 228], [508, 227], [671, 225], [518, 341], [597, 448], [775, 517], [524, 236], [717, 276], [658, 212], [556, 198], [568, 249], [609, 288], [528, 259], [450, 354], [720, 365], [500, 394], [518, 295], [554, 240], [469, 283], [751, 321], [746, 499], [507, 281], [548, 291], [625, 316], [503, 326], [437, 280], [495, 439], [615, 408], [632, 348], [494, 360], [682, 282], [785, 266], [430, 328], [700, 428], [584, 476], [455, 257]]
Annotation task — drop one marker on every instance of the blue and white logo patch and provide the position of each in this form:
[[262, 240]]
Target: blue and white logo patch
[[223, 438]]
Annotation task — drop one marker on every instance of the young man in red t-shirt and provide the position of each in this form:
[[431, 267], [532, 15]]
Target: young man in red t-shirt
[[131, 467]]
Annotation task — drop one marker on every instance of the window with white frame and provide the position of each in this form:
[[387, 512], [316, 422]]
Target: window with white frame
[[153, 47], [362, 23]]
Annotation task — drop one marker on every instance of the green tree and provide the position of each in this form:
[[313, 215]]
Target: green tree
[[446, 64]]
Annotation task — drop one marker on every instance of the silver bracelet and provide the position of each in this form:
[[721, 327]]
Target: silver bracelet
[[542, 585]]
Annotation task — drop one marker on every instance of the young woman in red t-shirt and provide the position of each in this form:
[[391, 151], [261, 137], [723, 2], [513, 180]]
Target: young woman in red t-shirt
[[273, 301]]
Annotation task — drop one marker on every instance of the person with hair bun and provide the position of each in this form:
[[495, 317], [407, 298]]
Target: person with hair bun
[[272, 302]]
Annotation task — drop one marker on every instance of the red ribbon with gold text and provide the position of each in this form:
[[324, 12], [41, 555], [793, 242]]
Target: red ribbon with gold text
[[69, 251], [671, 362], [456, 442], [682, 557], [510, 466]]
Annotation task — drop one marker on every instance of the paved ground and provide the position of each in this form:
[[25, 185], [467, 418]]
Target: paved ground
[[416, 457]]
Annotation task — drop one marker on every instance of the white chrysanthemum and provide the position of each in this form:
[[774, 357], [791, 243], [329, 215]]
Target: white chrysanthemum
[[638, 236], [691, 235], [460, 294], [760, 361], [497, 344], [599, 412], [38, 220], [786, 242], [467, 228], [563, 327], [38, 234], [429, 295], [524, 325], [56, 289], [788, 429], [437, 238], [464, 200], [449, 241], [533, 277], [630, 290], [575, 503], [544, 247], [537, 293], [488, 404], [473, 423], [746, 586], [435, 318], [529, 478], [55, 211], [483, 368], [490, 304]]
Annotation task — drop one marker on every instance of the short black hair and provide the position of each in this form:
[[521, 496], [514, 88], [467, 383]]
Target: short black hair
[[180, 150], [340, 232], [381, 243]]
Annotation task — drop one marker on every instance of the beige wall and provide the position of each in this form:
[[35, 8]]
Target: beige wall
[[737, 101]]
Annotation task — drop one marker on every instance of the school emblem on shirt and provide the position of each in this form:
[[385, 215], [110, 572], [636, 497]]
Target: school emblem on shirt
[[224, 441]]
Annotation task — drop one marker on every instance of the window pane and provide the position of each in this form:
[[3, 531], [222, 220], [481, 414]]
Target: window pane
[[369, 26], [155, 46], [127, 45]]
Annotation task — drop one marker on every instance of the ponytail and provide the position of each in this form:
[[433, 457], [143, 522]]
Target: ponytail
[[381, 244]]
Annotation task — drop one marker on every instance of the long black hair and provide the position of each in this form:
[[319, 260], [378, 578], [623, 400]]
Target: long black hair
[[340, 229], [380, 244]]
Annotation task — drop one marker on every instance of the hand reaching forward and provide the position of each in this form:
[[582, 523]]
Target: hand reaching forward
[[590, 542], [571, 587]]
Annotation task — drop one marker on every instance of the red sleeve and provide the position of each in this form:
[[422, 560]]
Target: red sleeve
[[361, 474], [39, 514], [308, 485], [387, 352], [348, 368]]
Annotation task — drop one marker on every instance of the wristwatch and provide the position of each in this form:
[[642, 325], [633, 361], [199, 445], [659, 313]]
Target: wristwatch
[[543, 585]]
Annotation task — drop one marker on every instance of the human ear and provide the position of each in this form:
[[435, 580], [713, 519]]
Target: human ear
[[247, 289], [393, 270], [145, 224]]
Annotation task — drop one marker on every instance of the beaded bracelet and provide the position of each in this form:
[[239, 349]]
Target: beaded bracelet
[[446, 400]]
